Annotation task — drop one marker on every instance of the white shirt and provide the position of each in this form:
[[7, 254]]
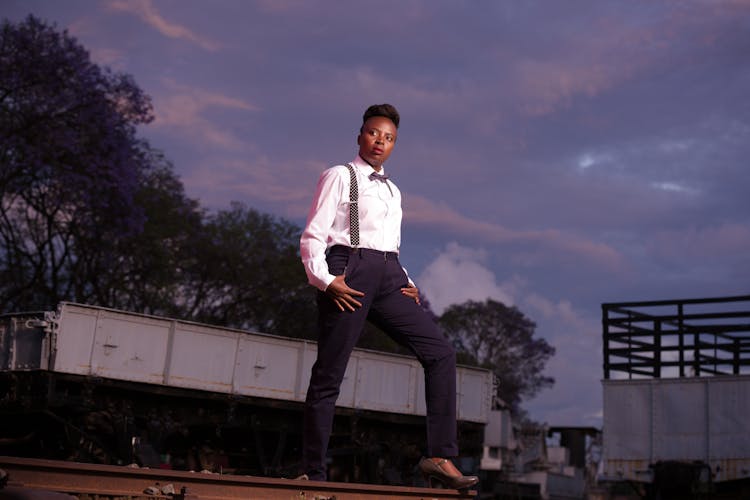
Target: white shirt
[[328, 220]]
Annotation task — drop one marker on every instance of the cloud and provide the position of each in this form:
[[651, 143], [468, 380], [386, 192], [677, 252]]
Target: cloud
[[257, 181], [575, 398], [185, 108], [546, 86], [146, 11], [561, 311], [420, 210], [605, 50], [576, 366], [706, 244], [460, 274], [108, 57]]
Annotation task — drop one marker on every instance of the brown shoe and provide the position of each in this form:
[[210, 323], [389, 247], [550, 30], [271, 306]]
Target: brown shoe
[[442, 472]]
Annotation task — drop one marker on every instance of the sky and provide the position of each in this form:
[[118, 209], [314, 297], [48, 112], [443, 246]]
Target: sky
[[552, 155]]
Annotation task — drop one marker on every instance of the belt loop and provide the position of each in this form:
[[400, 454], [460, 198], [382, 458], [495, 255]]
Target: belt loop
[[385, 256]]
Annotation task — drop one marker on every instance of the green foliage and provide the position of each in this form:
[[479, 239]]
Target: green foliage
[[246, 273], [149, 268], [494, 336]]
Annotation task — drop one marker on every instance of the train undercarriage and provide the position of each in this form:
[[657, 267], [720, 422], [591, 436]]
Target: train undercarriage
[[97, 420]]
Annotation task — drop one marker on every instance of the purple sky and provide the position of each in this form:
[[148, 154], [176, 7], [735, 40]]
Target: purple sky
[[552, 155]]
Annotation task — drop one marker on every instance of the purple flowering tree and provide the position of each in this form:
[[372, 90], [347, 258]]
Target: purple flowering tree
[[91, 213], [70, 165]]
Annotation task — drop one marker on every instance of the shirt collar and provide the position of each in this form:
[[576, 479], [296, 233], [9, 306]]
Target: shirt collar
[[365, 167]]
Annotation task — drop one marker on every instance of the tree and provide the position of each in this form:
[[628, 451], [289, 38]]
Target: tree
[[70, 165], [246, 273], [149, 270], [93, 214], [500, 338]]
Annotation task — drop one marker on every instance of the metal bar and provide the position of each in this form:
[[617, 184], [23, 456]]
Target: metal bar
[[691, 316], [605, 340], [634, 331], [657, 349], [631, 355], [642, 339], [721, 331], [631, 342], [736, 357], [629, 369], [736, 298], [681, 339], [721, 347], [714, 371]]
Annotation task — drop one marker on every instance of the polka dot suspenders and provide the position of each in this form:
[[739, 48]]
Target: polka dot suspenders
[[353, 207]]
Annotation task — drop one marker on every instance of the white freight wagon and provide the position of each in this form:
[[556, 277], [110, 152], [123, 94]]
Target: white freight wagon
[[111, 344], [677, 394], [699, 420]]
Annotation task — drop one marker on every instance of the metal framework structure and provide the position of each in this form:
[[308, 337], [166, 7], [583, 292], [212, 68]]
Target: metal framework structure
[[677, 338]]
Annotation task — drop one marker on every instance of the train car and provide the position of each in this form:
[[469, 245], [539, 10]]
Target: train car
[[101, 385], [677, 398]]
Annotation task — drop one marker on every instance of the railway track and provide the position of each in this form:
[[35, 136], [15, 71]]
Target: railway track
[[28, 478]]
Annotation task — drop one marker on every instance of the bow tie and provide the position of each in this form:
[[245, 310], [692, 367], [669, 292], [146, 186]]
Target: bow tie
[[380, 177]]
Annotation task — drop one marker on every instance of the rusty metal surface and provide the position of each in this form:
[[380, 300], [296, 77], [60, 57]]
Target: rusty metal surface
[[117, 481]]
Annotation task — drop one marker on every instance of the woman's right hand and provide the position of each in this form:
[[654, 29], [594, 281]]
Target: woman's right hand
[[343, 295]]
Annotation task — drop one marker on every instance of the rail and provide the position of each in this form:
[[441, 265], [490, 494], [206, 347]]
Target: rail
[[110, 482], [677, 338]]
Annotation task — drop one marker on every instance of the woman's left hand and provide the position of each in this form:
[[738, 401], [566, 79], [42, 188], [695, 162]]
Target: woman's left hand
[[412, 292]]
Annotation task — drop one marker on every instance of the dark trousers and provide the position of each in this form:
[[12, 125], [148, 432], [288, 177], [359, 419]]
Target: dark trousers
[[381, 277]]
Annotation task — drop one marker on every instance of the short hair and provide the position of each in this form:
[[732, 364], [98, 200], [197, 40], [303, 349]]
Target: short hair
[[384, 110]]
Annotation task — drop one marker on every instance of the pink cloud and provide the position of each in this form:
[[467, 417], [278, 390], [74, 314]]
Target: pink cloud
[[146, 11], [423, 211], [547, 86], [610, 52], [287, 185], [183, 108], [702, 243]]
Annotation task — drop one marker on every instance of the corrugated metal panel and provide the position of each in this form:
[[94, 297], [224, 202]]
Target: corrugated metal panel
[[386, 384], [693, 419], [730, 420], [679, 416], [129, 348], [77, 326], [499, 430], [201, 358], [126, 346], [475, 391], [267, 367], [627, 420]]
